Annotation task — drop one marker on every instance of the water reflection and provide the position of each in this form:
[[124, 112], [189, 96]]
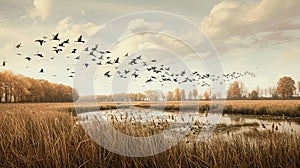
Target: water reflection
[[191, 121]]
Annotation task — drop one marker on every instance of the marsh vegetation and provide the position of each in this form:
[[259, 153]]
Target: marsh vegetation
[[47, 134]]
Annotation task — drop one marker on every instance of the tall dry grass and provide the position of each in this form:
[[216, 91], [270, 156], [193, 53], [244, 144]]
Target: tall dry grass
[[38, 135]]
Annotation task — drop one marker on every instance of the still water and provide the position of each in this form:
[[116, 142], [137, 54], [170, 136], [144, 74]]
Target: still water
[[185, 121]]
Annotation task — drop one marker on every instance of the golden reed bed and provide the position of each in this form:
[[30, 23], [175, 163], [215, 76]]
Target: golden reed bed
[[43, 135]]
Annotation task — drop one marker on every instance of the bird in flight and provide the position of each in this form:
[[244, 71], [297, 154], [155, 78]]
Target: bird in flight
[[3, 63], [74, 50], [40, 55], [55, 37], [41, 41], [149, 80], [95, 48], [117, 60], [57, 50], [79, 40], [18, 45], [42, 70], [66, 41], [107, 74], [28, 58]]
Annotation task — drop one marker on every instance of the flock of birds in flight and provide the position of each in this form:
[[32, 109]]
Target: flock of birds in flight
[[158, 72]]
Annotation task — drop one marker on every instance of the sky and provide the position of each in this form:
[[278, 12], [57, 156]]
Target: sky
[[260, 36]]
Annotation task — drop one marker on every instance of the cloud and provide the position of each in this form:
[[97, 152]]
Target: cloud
[[41, 9], [235, 18], [139, 25], [67, 26]]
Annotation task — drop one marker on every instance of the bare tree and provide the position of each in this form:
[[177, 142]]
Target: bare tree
[[190, 95], [182, 94]]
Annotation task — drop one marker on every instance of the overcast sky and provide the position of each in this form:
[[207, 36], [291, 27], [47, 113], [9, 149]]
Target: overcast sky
[[261, 36]]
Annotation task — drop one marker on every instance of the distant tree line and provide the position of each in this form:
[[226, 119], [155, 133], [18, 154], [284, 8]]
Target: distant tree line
[[18, 88], [285, 89]]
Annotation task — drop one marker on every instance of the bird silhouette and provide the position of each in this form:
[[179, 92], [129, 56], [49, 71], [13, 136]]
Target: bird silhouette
[[3, 63], [66, 41], [61, 44], [126, 71], [57, 50], [117, 60], [149, 80], [39, 54], [18, 45], [40, 41], [74, 50], [139, 57], [107, 74], [42, 70], [95, 48], [28, 58], [79, 40], [109, 62], [55, 37]]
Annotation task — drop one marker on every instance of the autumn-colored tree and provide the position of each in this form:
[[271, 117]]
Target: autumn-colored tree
[[253, 95], [286, 87], [195, 93], [132, 96], [17, 88], [177, 94], [148, 93], [235, 90], [141, 96], [170, 96], [206, 95]]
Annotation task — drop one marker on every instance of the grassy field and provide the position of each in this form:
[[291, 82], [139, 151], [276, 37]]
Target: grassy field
[[46, 135]]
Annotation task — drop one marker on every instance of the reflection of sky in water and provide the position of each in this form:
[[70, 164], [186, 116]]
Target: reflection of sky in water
[[183, 121]]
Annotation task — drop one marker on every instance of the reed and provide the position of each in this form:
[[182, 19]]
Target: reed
[[42, 135]]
